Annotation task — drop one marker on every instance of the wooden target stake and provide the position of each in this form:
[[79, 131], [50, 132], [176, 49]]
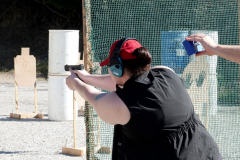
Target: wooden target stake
[[35, 96], [74, 151], [16, 97], [78, 98], [74, 121]]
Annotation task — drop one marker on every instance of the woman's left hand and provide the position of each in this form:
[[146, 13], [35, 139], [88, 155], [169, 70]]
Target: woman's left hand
[[72, 79]]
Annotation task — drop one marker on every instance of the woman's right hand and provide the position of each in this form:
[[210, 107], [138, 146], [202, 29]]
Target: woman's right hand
[[81, 74]]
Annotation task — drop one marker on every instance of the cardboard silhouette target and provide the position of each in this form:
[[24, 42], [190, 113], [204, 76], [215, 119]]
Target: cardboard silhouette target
[[25, 75], [25, 69], [197, 84]]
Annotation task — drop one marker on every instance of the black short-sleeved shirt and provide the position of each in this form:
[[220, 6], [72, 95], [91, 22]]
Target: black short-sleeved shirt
[[162, 124]]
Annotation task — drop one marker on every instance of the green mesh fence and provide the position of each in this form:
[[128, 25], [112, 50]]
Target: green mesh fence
[[161, 25]]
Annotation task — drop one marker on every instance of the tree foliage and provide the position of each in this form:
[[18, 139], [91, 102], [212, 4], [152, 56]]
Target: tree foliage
[[25, 23]]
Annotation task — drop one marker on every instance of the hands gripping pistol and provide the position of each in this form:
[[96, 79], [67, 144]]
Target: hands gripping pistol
[[74, 67]]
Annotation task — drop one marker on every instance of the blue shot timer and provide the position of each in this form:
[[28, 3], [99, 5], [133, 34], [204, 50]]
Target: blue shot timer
[[192, 47]]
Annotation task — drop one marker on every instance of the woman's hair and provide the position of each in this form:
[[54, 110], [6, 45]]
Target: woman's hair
[[140, 65]]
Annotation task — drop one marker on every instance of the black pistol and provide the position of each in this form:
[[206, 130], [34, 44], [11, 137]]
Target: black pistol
[[74, 67]]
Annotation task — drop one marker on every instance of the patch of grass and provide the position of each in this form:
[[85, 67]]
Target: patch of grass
[[4, 69], [42, 68]]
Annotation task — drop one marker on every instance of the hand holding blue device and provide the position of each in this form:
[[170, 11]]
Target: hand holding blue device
[[192, 47]]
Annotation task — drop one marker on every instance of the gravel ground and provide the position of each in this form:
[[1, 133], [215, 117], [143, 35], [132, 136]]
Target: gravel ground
[[33, 139]]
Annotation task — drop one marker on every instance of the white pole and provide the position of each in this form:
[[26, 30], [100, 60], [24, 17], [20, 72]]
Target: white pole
[[63, 49]]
